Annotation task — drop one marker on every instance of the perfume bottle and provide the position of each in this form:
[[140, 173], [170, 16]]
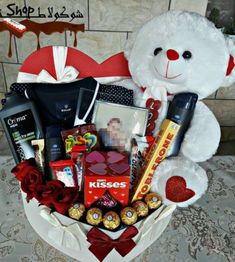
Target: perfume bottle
[[181, 111]]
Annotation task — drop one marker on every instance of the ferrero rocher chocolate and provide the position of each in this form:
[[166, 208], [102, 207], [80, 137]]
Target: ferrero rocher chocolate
[[111, 220], [141, 208], [94, 216], [153, 200], [76, 210], [128, 216]]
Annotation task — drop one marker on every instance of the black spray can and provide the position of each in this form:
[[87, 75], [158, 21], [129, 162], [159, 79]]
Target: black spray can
[[181, 111], [21, 123]]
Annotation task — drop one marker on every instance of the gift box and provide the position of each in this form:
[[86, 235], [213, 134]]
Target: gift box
[[106, 172], [60, 64], [78, 239]]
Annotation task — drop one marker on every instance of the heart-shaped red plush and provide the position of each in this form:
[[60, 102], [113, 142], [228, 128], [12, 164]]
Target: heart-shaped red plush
[[177, 191]]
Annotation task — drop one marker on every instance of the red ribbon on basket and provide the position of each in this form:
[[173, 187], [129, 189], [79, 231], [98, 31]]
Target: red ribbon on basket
[[102, 244]]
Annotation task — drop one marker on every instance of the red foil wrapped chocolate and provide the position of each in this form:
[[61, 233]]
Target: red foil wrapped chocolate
[[106, 171]]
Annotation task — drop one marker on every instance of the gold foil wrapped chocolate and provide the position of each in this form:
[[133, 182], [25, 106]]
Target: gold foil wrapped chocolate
[[94, 216], [76, 211], [111, 220], [128, 216], [141, 208], [153, 200]]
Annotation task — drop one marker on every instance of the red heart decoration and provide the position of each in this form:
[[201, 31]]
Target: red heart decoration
[[119, 168], [153, 106], [94, 157], [114, 157], [115, 65], [177, 191], [99, 169], [150, 127]]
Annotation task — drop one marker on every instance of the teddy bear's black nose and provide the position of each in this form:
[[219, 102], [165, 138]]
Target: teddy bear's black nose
[[172, 54]]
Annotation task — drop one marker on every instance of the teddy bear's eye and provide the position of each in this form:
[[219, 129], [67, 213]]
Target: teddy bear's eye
[[187, 55], [157, 50]]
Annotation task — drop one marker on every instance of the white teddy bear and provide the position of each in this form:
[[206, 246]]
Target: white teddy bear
[[175, 52]]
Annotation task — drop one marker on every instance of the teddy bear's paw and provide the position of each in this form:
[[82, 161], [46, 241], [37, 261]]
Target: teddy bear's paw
[[179, 181]]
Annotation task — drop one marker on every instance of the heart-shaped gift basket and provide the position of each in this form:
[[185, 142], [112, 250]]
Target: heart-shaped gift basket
[[87, 189]]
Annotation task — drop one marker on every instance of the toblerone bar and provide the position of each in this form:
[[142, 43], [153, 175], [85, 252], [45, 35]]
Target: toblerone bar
[[156, 154]]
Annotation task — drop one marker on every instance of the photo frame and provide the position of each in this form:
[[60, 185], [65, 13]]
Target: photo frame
[[117, 124]]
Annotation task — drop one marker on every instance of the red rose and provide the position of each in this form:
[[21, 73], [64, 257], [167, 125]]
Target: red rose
[[45, 193], [30, 180], [23, 168], [64, 199]]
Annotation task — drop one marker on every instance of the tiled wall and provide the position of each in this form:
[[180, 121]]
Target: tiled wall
[[108, 24]]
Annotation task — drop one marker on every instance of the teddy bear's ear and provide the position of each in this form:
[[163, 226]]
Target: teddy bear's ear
[[230, 73], [131, 40], [129, 44]]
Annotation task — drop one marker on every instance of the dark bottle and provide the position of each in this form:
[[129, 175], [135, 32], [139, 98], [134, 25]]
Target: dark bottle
[[54, 148], [181, 111], [21, 124], [54, 144]]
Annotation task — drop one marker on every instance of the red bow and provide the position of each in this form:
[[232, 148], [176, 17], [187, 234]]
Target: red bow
[[102, 244]]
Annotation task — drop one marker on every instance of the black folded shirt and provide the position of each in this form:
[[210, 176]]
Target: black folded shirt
[[58, 103]]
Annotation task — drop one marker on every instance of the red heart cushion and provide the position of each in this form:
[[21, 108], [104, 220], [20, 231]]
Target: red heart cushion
[[177, 191]]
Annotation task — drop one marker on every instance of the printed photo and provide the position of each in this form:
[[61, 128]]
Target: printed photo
[[117, 124]]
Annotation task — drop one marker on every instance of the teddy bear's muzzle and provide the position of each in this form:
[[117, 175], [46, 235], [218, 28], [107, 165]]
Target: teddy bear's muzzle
[[170, 66]]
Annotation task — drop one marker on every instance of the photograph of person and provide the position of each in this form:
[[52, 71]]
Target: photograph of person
[[113, 137], [117, 124]]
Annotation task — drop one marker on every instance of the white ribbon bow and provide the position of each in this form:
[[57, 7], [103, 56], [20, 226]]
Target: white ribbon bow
[[64, 74], [67, 236]]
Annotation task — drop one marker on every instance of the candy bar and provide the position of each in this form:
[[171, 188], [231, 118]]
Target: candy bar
[[17, 27], [136, 162], [65, 171], [77, 156], [155, 155]]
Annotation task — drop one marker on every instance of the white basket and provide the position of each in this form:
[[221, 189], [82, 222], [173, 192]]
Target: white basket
[[149, 229], [54, 229]]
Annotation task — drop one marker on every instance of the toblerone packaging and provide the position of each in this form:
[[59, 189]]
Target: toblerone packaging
[[156, 154]]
